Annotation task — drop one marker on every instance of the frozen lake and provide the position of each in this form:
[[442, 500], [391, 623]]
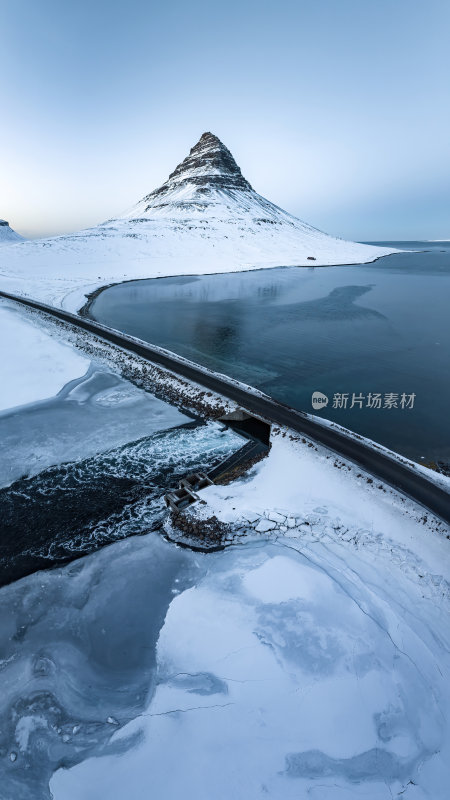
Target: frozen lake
[[90, 466], [285, 670], [379, 328]]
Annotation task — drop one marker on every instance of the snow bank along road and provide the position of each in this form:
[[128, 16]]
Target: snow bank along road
[[397, 474]]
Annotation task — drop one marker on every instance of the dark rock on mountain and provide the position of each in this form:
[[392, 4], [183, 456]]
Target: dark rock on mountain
[[208, 165]]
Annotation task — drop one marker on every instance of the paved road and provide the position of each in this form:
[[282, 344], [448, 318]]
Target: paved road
[[400, 476]]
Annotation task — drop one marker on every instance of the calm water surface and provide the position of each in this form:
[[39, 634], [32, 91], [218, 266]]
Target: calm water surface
[[367, 328]]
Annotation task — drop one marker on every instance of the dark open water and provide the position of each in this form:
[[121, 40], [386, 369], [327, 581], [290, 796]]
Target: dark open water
[[90, 466], [367, 328]]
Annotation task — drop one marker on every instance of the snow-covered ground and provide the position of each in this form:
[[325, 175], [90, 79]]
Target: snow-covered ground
[[311, 659], [206, 218], [300, 476], [34, 364]]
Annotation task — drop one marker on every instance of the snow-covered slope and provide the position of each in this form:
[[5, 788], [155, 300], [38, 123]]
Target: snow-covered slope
[[311, 661], [208, 199], [7, 235], [205, 218]]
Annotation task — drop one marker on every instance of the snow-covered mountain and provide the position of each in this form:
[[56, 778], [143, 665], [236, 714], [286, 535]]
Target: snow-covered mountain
[[207, 203], [7, 235], [205, 218]]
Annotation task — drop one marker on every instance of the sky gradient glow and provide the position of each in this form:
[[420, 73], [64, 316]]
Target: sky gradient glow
[[337, 110]]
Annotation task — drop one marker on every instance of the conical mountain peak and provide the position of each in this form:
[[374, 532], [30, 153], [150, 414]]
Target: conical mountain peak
[[209, 165]]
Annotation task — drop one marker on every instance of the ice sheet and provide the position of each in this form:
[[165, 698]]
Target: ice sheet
[[34, 365]]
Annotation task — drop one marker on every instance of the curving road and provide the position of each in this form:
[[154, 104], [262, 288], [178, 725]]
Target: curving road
[[403, 478]]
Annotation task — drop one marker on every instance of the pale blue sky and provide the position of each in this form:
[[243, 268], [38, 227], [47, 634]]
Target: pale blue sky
[[337, 110]]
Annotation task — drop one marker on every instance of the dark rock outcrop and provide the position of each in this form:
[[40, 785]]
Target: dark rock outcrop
[[208, 165], [208, 534]]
